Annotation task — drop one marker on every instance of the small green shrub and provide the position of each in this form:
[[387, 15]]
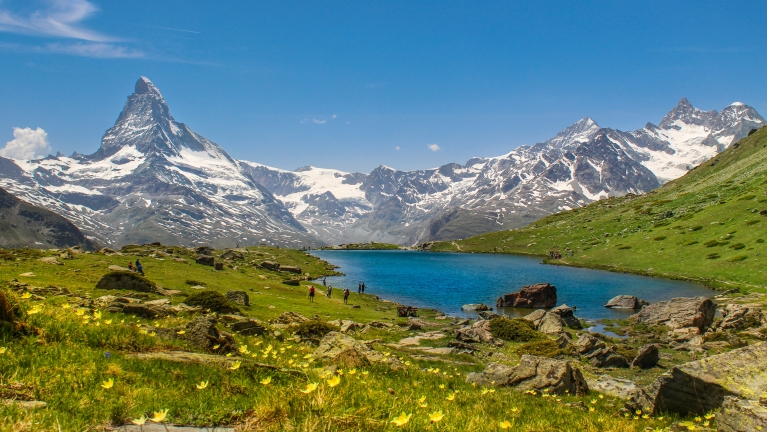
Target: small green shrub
[[543, 348], [746, 197], [626, 351], [753, 222], [211, 300], [193, 282], [711, 243], [660, 238], [696, 228], [625, 247], [691, 243], [314, 329], [738, 258], [713, 256], [760, 240], [515, 329], [737, 246]]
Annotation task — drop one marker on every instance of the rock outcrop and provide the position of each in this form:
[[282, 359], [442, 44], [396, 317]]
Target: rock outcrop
[[344, 350], [626, 302], [476, 333], [568, 316], [738, 317], [542, 295], [203, 334], [534, 373], [701, 386], [607, 357], [126, 281], [238, 297], [647, 357], [678, 313], [476, 307], [739, 415]]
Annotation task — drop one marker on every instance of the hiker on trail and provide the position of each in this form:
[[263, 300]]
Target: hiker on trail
[[363, 287], [325, 281], [359, 287], [139, 268], [330, 291], [346, 295], [311, 293]]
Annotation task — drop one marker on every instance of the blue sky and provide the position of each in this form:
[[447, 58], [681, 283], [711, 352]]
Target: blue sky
[[353, 85]]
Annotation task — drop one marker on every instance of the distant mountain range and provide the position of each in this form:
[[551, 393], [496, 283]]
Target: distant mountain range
[[154, 179]]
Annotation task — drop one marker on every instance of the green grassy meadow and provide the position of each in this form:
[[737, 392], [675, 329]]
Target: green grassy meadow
[[708, 226], [76, 351]]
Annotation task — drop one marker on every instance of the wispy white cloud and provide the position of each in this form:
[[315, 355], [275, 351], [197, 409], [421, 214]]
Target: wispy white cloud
[[317, 121], [62, 19], [433, 147], [168, 28], [397, 148], [27, 143]]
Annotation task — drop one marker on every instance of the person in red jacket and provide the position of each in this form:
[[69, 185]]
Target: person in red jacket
[[311, 293]]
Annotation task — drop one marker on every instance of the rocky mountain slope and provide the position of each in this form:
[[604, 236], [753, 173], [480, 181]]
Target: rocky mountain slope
[[154, 179], [24, 225], [707, 226], [581, 164]]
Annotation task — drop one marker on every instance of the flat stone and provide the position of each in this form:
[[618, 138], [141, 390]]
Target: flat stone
[[610, 386], [439, 351], [207, 260], [118, 268], [238, 297], [476, 307], [552, 324], [342, 349], [535, 317], [25, 404], [740, 415], [28, 274], [680, 312], [126, 281], [51, 260]]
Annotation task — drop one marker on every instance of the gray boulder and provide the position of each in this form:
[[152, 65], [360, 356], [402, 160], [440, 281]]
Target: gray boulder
[[536, 317], [270, 265], [230, 254], [534, 373], [290, 318], [607, 357], [207, 260], [123, 280], [238, 297], [568, 316], [248, 328], [476, 307], [626, 302], [647, 357], [552, 324], [488, 315], [291, 269], [341, 349], [738, 317], [741, 415], [203, 334], [701, 386], [677, 313], [588, 343]]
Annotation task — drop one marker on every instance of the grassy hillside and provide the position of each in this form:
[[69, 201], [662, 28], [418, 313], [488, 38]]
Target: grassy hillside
[[86, 363], [709, 226]]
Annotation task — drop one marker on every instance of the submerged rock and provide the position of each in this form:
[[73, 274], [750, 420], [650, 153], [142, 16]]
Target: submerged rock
[[542, 295], [626, 302]]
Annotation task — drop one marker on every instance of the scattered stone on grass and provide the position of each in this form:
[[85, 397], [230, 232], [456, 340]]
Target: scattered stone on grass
[[238, 297], [615, 387], [552, 324], [122, 280], [568, 316], [290, 318], [647, 357], [202, 333], [739, 317], [51, 260], [270, 265], [607, 357], [207, 260], [342, 349], [534, 373]]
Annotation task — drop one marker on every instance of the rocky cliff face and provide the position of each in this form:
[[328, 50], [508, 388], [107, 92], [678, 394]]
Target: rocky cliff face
[[154, 179], [24, 225]]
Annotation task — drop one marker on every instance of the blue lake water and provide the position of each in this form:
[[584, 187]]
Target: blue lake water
[[446, 281]]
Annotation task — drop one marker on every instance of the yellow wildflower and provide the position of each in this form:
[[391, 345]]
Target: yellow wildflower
[[504, 424], [108, 384], [451, 397], [66, 306], [139, 421], [180, 332], [216, 346], [3, 350], [266, 381], [334, 381], [401, 420], [235, 365], [97, 314], [436, 416], [309, 388], [36, 309], [202, 385], [26, 295], [159, 416]]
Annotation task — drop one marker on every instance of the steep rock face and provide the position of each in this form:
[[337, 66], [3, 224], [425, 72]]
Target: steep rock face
[[25, 225], [154, 179], [582, 163]]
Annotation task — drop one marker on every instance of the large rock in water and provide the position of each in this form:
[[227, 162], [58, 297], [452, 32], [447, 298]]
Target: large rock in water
[[542, 295], [126, 280], [568, 316], [534, 373], [476, 307], [680, 312], [702, 386], [344, 350], [626, 302]]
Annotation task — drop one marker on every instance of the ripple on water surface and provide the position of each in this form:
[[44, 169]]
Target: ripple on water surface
[[446, 281]]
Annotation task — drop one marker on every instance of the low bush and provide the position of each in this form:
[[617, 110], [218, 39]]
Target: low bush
[[543, 348], [314, 329], [738, 258], [211, 300], [660, 238], [626, 351], [195, 282], [737, 246], [514, 329]]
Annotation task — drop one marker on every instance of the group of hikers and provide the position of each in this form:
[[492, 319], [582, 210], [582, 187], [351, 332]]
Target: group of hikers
[[329, 291], [137, 268]]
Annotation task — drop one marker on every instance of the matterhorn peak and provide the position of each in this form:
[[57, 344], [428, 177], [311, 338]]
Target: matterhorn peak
[[145, 86]]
